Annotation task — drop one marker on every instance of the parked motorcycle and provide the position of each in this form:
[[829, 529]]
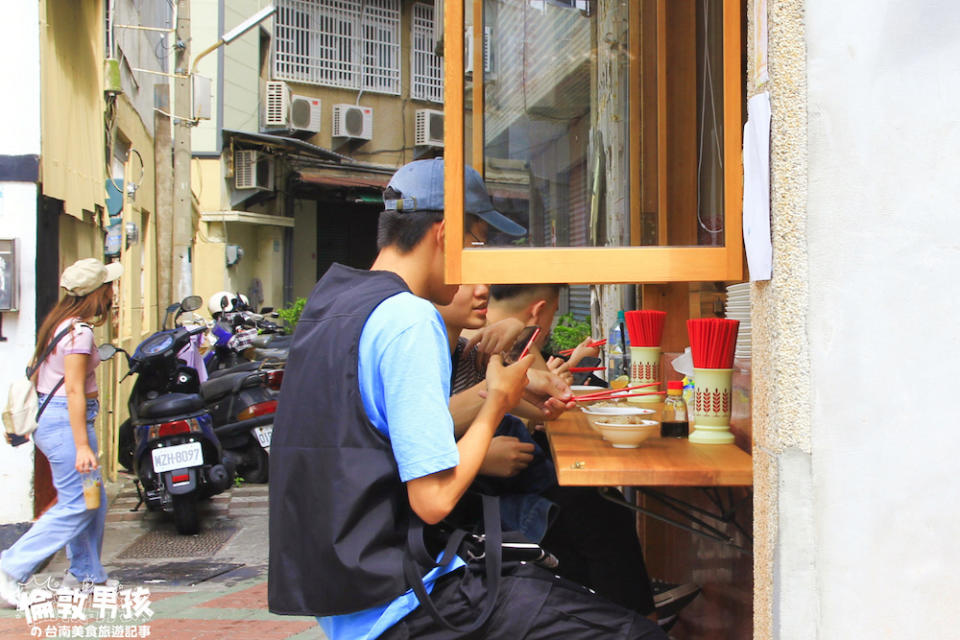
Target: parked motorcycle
[[169, 441], [242, 401], [242, 335]]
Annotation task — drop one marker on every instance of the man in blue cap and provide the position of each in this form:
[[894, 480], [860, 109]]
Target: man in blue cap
[[364, 461]]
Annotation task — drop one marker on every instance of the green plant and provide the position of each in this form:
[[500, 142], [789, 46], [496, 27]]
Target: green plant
[[238, 482], [291, 314], [569, 332]]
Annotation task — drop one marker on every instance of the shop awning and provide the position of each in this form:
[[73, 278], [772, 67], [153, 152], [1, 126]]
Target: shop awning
[[245, 217], [344, 178]]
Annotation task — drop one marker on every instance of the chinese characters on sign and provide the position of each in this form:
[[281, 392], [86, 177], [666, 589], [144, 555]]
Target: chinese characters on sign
[[88, 611]]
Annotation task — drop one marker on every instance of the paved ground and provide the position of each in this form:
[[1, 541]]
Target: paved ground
[[204, 587]]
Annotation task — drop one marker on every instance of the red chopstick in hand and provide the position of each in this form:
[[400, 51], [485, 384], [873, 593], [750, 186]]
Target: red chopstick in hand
[[584, 369], [597, 343]]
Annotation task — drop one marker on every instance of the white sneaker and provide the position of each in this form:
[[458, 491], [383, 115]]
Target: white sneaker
[[70, 582], [9, 589]]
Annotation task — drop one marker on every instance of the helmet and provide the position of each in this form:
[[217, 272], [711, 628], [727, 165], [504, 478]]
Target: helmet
[[224, 301]]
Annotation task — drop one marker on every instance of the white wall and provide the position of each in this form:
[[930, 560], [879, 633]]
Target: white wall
[[20, 69], [884, 247]]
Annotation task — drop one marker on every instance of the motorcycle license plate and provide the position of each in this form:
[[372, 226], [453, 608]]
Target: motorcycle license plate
[[177, 457], [264, 435]]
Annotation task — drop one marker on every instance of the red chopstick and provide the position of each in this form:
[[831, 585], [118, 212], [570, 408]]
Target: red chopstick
[[622, 395], [608, 391], [597, 343], [583, 369]]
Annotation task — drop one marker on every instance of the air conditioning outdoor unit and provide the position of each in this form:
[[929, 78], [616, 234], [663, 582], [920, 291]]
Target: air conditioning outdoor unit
[[252, 170], [305, 114], [468, 54], [428, 128], [276, 107], [352, 121]]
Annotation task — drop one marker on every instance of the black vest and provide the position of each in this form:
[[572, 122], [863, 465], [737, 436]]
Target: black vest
[[339, 514]]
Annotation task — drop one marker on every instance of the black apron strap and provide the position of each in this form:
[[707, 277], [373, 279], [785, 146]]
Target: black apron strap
[[492, 560]]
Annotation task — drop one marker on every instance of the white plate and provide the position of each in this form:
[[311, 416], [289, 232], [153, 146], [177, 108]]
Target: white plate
[[179, 456]]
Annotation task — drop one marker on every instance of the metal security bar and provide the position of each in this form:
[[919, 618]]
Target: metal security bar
[[426, 68], [350, 44]]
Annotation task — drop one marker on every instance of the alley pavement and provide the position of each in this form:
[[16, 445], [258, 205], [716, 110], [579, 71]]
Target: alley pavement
[[204, 587]]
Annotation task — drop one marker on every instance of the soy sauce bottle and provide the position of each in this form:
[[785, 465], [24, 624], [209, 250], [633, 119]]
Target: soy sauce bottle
[[674, 423]]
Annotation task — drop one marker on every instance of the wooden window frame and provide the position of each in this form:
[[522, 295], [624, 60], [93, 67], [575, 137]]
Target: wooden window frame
[[590, 265]]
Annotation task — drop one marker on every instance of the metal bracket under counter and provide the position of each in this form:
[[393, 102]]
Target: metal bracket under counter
[[726, 512]]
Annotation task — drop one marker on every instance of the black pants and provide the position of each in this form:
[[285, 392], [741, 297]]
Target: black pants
[[532, 604], [596, 543]]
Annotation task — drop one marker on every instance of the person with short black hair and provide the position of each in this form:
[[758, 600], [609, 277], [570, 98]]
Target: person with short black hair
[[364, 459]]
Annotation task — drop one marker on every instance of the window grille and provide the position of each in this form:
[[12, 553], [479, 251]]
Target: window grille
[[426, 68], [351, 44]]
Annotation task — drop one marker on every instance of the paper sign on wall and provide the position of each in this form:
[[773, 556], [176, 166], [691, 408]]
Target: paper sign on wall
[[756, 188]]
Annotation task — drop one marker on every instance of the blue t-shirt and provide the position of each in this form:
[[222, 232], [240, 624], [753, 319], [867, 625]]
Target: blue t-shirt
[[404, 377]]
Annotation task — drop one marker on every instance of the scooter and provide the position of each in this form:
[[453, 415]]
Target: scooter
[[242, 402], [169, 441]]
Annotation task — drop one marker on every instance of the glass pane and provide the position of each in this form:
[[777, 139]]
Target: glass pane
[[565, 153]]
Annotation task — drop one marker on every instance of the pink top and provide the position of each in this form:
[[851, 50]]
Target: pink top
[[80, 340]]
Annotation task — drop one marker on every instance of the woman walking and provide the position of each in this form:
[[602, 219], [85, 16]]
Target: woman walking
[[65, 432]]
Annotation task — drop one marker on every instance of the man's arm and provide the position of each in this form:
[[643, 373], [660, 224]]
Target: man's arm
[[433, 497]]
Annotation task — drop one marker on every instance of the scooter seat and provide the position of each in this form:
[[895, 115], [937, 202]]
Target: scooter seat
[[246, 366], [216, 388], [171, 404], [272, 340]]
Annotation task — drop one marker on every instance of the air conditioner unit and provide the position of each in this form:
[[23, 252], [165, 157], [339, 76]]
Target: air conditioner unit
[[276, 106], [487, 53], [352, 121], [252, 170], [428, 128], [305, 114]]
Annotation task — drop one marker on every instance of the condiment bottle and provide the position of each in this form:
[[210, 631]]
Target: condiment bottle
[[617, 364], [673, 421]]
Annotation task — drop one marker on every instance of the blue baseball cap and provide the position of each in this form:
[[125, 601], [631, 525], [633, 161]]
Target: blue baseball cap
[[419, 185]]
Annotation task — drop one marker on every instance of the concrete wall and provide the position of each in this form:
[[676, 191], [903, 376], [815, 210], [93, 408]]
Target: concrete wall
[[884, 134], [304, 248], [855, 481], [20, 68]]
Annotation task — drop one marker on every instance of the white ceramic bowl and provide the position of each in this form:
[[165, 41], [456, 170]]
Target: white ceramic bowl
[[628, 436], [620, 414]]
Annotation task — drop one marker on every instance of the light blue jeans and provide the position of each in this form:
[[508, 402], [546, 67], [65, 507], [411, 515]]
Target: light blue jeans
[[68, 523]]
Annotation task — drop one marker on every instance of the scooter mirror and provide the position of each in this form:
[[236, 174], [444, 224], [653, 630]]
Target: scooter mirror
[[266, 310], [191, 303], [106, 351]]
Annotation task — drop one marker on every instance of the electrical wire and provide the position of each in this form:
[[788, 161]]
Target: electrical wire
[[707, 90]]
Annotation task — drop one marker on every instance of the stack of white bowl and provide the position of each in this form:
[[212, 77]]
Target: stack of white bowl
[[738, 308]]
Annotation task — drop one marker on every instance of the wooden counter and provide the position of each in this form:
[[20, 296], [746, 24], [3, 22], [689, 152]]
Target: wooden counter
[[583, 458]]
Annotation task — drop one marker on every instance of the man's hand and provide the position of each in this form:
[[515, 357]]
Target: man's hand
[[507, 383], [560, 368], [507, 457], [494, 338]]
